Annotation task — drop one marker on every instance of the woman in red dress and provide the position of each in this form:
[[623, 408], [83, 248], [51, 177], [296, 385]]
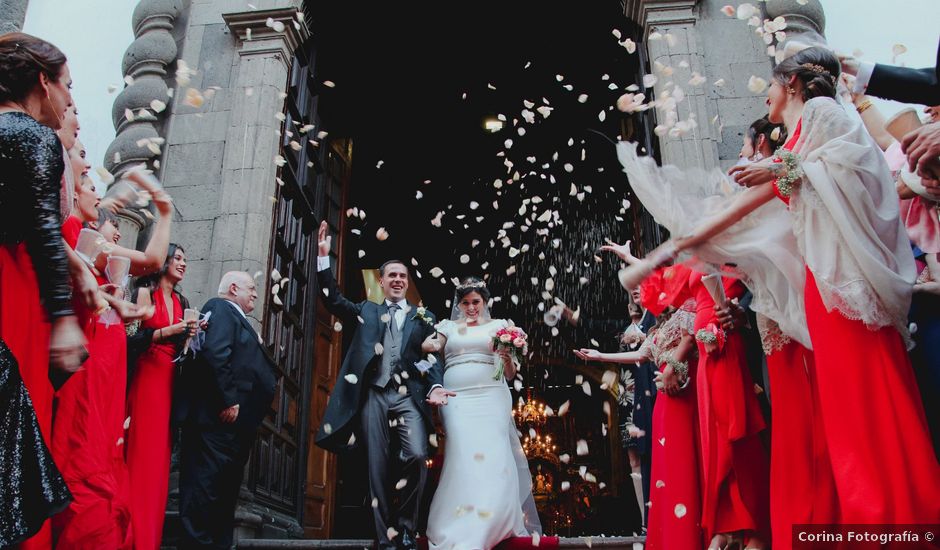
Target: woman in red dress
[[36, 318], [857, 293], [162, 337], [735, 466], [675, 497], [859, 273], [88, 440]]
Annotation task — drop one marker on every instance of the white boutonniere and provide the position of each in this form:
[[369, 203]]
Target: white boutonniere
[[422, 314]]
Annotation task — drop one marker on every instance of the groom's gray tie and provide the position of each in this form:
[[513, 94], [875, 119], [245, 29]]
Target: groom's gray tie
[[391, 355]]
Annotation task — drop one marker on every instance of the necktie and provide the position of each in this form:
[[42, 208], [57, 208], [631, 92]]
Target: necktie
[[392, 320]]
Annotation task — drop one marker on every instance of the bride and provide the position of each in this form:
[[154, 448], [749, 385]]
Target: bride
[[485, 491]]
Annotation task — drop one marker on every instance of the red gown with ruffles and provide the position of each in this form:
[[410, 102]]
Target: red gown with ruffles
[[148, 438], [883, 463], [88, 437], [735, 467]]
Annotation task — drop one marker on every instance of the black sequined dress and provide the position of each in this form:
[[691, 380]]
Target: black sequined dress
[[33, 490]]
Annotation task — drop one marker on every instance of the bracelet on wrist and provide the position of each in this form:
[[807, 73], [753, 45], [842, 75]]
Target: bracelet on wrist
[[679, 368], [863, 106], [788, 180]]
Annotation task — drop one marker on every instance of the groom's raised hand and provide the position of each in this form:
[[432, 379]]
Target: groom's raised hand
[[324, 240], [439, 395]]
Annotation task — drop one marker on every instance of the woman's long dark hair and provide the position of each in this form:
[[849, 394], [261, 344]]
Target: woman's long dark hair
[[23, 57], [152, 281], [816, 68], [764, 127]]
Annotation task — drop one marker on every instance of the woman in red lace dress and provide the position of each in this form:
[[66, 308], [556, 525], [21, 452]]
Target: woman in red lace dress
[[160, 339], [675, 496]]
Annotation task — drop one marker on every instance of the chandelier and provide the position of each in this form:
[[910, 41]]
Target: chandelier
[[530, 412], [539, 446]]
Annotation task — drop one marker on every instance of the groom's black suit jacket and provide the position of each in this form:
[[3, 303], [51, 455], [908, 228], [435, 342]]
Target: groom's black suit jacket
[[342, 412]]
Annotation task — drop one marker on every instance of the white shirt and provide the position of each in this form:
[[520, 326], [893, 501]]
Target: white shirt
[[865, 69]]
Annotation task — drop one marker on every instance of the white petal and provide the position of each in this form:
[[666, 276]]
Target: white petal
[[401, 484], [756, 84], [649, 80], [582, 447], [391, 533], [352, 378], [337, 326], [565, 486], [629, 45], [680, 510], [379, 349], [563, 409], [381, 234]]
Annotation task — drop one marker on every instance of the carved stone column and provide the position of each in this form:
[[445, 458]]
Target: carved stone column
[[806, 23], [135, 119], [12, 15], [694, 36]]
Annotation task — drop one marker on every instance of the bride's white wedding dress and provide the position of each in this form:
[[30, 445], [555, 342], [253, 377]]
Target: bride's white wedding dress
[[485, 491]]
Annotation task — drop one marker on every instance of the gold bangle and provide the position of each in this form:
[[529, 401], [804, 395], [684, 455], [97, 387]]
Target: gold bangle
[[864, 106]]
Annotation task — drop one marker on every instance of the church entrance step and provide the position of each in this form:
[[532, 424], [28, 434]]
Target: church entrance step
[[515, 543]]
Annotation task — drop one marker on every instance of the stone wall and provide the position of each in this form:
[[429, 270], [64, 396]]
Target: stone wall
[[217, 160], [12, 15], [717, 47]]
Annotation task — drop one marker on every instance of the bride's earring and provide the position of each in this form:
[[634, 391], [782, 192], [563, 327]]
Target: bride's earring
[[791, 90], [757, 157]]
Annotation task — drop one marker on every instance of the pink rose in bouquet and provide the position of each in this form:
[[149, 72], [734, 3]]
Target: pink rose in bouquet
[[515, 340]]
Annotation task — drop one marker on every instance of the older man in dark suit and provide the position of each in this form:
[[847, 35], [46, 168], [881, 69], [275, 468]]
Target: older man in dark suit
[[225, 393]]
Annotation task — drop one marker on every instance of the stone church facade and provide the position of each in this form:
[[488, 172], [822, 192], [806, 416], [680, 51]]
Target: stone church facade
[[237, 207]]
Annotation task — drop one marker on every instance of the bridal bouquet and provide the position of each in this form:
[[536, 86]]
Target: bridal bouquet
[[515, 340]]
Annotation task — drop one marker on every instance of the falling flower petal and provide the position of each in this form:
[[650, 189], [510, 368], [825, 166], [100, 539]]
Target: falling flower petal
[[746, 11], [352, 378], [649, 80], [629, 45], [381, 234], [391, 533], [563, 409], [379, 348], [464, 259], [728, 10], [401, 484], [565, 485], [337, 326], [582, 447], [680, 510], [436, 272], [756, 84]]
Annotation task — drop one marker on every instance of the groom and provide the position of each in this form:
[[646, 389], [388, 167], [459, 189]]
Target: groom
[[381, 395]]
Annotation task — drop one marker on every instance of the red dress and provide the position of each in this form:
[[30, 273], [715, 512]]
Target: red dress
[[802, 489], [148, 439], [882, 458], [25, 328], [735, 469], [675, 471], [88, 437]]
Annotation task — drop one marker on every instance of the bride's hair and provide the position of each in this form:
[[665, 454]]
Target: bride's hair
[[816, 68], [472, 284]]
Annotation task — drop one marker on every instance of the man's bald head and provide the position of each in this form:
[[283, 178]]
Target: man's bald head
[[239, 287]]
